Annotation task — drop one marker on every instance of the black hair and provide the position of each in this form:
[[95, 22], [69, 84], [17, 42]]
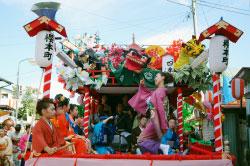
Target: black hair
[[43, 104], [28, 126], [18, 127], [72, 107], [168, 77]]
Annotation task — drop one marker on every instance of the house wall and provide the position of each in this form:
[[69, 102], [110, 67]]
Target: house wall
[[233, 130]]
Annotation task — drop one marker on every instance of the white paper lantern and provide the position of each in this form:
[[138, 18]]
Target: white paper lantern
[[168, 63], [45, 48], [218, 53]]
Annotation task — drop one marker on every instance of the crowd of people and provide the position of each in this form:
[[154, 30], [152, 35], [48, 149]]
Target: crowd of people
[[137, 125]]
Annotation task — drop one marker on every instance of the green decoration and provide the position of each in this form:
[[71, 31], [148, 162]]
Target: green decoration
[[80, 110], [198, 78], [149, 77], [123, 76]]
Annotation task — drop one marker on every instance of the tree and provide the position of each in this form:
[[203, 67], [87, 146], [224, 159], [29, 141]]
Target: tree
[[28, 103]]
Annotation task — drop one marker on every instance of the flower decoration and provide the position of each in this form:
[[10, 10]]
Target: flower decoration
[[115, 55], [75, 78], [174, 49]]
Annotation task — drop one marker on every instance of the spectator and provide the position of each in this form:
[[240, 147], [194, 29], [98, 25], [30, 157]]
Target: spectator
[[123, 120], [5, 149], [15, 137], [170, 137], [106, 110], [136, 132], [23, 140], [125, 104], [8, 126]]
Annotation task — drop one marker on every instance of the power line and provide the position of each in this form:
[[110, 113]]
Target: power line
[[227, 6], [171, 1], [224, 9], [205, 16]]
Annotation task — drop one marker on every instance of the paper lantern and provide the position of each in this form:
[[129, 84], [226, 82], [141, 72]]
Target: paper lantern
[[45, 47], [237, 86], [168, 63], [218, 53]]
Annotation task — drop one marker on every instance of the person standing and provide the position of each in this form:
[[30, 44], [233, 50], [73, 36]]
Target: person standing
[[24, 139], [5, 149], [150, 138], [15, 138]]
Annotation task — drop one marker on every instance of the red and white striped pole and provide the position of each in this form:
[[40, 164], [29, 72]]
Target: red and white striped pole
[[180, 117], [47, 81], [86, 112], [217, 113]]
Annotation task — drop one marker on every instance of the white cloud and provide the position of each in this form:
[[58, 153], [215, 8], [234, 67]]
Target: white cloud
[[167, 37]]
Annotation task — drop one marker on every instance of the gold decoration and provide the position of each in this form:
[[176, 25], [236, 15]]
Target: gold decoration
[[28, 28], [205, 33], [59, 28], [222, 24], [44, 19]]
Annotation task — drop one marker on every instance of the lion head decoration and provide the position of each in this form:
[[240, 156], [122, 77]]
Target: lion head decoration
[[136, 60], [188, 52]]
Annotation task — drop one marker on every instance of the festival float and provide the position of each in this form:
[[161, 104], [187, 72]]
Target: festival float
[[91, 69]]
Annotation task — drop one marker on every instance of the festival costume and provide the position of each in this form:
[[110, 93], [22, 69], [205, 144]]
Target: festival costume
[[98, 139], [170, 137], [6, 151], [63, 126], [149, 139], [45, 135]]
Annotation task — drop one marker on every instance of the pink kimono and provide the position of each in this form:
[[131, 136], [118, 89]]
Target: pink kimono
[[150, 138]]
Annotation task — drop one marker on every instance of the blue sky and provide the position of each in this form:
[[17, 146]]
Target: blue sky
[[152, 21]]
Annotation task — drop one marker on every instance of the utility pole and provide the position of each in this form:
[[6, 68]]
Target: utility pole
[[193, 10]]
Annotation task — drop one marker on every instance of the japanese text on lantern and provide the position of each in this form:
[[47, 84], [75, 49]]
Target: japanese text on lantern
[[225, 51], [49, 45]]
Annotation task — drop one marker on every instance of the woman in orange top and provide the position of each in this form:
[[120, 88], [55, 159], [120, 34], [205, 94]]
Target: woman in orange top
[[63, 123]]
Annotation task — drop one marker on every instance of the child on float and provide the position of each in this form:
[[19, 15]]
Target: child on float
[[98, 138], [145, 99], [63, 123]]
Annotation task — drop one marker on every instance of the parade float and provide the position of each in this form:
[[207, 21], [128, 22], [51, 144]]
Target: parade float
[[91, 69]]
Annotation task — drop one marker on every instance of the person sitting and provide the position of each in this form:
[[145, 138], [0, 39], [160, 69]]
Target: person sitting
[[106, 109], [73, 114], [170, 137], [135, 134], [98, 137], [46, 137], [63, 123], [123, 120]]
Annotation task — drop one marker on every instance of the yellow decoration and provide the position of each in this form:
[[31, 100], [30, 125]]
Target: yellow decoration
[[155, 50], [191, 49]]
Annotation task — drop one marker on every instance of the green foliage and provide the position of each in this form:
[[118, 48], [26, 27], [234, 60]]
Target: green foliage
[[80, 110], [198, 78], [187, 113], [28, 103]]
